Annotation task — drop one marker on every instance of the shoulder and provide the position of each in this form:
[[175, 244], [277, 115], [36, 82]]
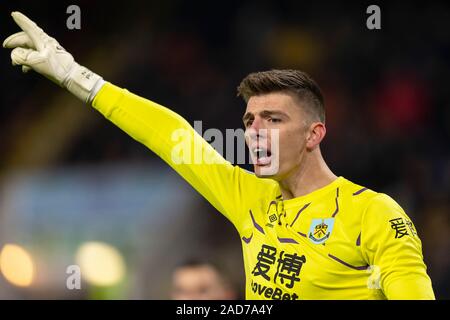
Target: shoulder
[[382, 208], [359, 195], [370, 202], [383, 201]]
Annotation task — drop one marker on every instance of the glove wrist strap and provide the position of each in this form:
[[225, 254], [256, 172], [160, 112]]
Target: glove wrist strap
[[83, 83]]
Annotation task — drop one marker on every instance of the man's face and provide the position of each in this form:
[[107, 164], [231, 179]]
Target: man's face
[[199, 283], [275, 153]]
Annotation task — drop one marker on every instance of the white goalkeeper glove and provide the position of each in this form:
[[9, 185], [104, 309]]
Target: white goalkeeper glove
[[34, 49]]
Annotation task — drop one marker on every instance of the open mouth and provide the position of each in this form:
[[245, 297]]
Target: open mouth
[[262, 156]]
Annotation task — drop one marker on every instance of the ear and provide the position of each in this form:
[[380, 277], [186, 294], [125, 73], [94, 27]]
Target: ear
[[315, 135]]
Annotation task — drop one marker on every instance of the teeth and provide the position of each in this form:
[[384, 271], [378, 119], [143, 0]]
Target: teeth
[[260, 152]]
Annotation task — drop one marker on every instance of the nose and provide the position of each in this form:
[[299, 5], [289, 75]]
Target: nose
[[255, 128]]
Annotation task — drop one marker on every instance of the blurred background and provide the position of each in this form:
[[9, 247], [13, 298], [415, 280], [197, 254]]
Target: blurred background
[[75, 190]]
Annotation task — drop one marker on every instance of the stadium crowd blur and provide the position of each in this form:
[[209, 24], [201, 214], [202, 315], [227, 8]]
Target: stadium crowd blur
[[386, 94]]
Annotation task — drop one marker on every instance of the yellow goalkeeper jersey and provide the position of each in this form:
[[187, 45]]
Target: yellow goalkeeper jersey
[[342, 241]]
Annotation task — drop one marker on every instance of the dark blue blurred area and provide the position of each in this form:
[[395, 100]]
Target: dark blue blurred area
[[386, 91]]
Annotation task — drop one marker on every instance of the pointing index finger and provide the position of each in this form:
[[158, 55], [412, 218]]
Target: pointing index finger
[[29, 27]]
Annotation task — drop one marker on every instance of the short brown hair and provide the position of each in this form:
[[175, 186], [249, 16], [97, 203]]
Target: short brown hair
[[295, 81]]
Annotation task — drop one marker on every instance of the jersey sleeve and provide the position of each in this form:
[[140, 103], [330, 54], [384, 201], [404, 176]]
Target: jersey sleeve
[[178, 144], [389, 243]]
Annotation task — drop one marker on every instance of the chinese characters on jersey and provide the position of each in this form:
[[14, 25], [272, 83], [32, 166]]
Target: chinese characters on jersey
[[287, 268], [402, 227]]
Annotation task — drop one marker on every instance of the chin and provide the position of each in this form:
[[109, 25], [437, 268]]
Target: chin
[[267, 171]]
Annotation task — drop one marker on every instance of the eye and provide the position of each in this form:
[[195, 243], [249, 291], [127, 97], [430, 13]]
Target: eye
[[248, 123], [275, 120]]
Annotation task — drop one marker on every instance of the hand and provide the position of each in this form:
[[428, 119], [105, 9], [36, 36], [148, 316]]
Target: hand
[[34, 49]]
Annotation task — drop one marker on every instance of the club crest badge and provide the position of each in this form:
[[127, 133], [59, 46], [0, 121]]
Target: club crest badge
[[320, 230]]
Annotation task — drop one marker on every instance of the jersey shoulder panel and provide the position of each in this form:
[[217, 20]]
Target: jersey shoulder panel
[[359, 196]]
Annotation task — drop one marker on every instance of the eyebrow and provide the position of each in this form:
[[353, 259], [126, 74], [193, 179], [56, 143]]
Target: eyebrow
[[263, 113]]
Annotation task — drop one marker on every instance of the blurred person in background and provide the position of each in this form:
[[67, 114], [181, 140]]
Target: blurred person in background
[[201, 280]]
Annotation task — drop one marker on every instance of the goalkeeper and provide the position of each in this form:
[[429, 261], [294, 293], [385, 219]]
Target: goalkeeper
[[306, 233]]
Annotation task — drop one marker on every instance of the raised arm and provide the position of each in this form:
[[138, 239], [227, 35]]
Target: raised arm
[[174, 140], [161, 130]]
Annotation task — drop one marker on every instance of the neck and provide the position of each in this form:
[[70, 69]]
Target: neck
[[312, 174]]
